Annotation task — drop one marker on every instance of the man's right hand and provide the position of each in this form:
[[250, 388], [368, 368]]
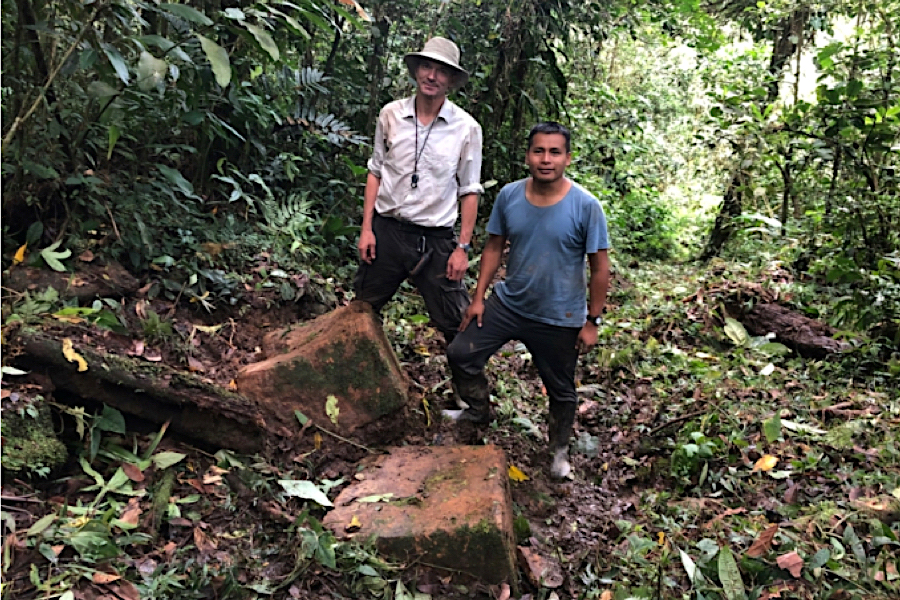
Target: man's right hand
[[475, 311], [366, 246]]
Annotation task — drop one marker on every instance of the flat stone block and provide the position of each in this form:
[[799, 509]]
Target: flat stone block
[[443, 506], [344, 354]]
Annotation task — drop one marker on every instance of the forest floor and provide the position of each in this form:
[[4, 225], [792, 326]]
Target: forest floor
[[707, 464]]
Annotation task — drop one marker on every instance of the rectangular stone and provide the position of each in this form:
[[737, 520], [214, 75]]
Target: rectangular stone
[[444, 506]]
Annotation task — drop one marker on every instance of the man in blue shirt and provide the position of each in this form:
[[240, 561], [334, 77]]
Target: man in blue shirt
[[551, 224]]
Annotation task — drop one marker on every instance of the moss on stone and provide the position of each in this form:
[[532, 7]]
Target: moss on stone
[[30, 446]]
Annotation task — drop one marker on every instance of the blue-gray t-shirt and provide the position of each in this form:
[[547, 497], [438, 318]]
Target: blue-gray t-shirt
[[545, 275]]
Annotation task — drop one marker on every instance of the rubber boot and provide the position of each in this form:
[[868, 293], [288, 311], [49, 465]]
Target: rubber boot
[[561, 420], [474, 391]]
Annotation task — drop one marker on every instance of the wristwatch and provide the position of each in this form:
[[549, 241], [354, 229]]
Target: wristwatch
[[595, 320], [465, 247]]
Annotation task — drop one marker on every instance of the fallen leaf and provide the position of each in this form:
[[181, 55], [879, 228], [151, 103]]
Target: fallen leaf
[[125, 590], [791, 562], [317, 440], [790, 495], [232, 385], [100, 577], [203, 541], [353, 525], [86, 256], [516, 474], [606, 595], [69, 352], [194, 365], [764, 542], [331, 408], [57, 550], [19, 256], [132, 512], [766, 463], [133, 471]]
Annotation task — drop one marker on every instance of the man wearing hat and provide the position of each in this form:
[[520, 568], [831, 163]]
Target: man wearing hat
[[425, 170]]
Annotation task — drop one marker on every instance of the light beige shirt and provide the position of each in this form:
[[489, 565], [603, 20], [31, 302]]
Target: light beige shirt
[[449, 165]]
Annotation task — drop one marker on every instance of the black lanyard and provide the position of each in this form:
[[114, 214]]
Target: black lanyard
[[418, 153]]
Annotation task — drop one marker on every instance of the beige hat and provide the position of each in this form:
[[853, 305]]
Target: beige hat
[[439, 50]]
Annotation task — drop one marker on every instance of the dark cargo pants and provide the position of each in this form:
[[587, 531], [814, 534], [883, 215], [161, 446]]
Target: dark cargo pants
[[405, 250], [552, 348]]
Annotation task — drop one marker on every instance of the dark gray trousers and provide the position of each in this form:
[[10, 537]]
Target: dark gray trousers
[[400, 249], [552, 349]]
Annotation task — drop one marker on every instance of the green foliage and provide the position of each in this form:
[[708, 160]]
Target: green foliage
[[30, 445]]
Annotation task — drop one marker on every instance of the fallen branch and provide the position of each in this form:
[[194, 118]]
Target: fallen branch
[[686, 417]]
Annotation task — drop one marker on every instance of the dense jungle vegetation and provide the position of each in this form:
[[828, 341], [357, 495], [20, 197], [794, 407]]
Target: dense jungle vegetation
[[744, 151]]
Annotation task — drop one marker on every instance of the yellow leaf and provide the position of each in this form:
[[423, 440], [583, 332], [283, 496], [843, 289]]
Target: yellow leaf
[[662, 538], [606, 595], [425, 405], [72, 356], [354, 524], [765, 463], [232, 385], [422, 351], [20, 254], [516, 474], [318, 440]]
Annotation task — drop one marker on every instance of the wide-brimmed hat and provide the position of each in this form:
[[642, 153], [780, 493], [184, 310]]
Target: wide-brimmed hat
[[439, 50]]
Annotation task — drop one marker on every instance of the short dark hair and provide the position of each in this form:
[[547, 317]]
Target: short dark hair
[[551, 127]]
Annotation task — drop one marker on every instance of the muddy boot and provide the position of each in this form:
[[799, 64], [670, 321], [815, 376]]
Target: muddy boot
[[473, 390], [561, 419]]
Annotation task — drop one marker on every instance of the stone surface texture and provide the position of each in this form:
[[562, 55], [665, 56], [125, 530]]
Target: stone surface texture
[[447, 506], [344, 354]]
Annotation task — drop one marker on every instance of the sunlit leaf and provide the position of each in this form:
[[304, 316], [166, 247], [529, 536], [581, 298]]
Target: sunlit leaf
[[308, 490], [766, 462], [265, 40], [736, 331], [331, 409], [690, 567], [516, 474], [772, 428], [164, 460], [72, 356], [19, 256], [151, 71], [376, 498], [767, 370], [218, 58]]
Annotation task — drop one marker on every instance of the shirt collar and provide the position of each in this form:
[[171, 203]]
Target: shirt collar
[[446, 112]]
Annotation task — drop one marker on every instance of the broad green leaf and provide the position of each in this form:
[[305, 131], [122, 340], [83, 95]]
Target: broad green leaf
[[218, 58], [852, 540], [301, 417], [42, 524], [736, 331], [188, 13], [175, 177], [114, 134], [730, 576], [235, 13], [802, 427], [305, 489], [819, 559], [117, 62], [688, 563], [151, 71], [265, 40], [331, 409], [772, 428], [164, 460], [111, 420]]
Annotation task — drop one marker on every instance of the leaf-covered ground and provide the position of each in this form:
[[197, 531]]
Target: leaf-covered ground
[[708, 464]]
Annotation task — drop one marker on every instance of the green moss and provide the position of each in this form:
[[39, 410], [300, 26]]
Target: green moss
[[340, 369], [30, 446]]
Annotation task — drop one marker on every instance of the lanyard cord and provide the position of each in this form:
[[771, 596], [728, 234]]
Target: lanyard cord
[[418, 153]]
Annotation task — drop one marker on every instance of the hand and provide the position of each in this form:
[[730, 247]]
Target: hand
[[366, 246], [587, 337], [475, 311], [457, 265]]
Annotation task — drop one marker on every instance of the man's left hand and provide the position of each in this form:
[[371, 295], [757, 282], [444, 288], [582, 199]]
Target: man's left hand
[[587, 337], [457, 265]]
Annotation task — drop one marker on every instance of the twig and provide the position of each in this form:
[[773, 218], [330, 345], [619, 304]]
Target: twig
[[6, 498], [686, 417], [112, 220], [351, 442]]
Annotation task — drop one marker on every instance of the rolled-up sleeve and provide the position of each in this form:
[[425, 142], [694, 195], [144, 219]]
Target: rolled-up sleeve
[[376, 161], [468, 171]]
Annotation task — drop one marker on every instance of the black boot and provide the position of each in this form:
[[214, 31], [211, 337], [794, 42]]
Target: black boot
[[561, 420], [474, 391]]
